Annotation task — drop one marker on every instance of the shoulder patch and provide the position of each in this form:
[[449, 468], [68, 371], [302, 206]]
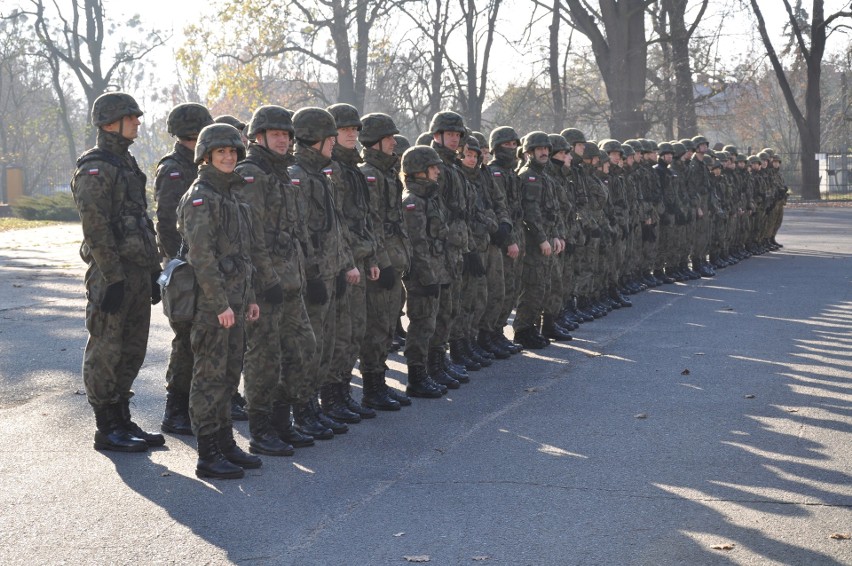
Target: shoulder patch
[[371, 179], [328, 171], [197, 201], [411, 206], [498, 173], [296, 182], [531, 178], [175, 175], [249, 178], [93, 171]]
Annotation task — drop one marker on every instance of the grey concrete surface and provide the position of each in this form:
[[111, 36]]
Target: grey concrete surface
[[744, 381]]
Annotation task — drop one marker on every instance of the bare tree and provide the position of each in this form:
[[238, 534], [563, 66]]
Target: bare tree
[[809, 40]]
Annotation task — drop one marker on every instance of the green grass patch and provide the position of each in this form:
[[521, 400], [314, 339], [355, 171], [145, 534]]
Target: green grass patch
[[59, 206], [8, 224]]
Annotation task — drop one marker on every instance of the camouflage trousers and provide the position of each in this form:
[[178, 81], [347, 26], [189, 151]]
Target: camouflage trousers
[[513, 271], [423, 313], [668, 247], [382, 309], [323, 319], [496, 283], [351, 325], [117, 342], [650, 259], [703, 232], [449, 310], [218, 354], [179, 372], [553, 302], [279, 347], [584, 267], [474, 299], [535, 289]]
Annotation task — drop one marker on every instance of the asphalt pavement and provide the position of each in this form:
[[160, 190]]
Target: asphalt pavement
[[709, 424]]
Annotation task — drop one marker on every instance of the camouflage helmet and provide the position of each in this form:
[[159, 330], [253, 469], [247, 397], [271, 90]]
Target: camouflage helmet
[[688, 144], [480, 137], [215, 136], [715, 164], [665, 147], [742, 158], [698, 140], [375, 127], [678, 149], [313, 125], [707, 160], [231, 121], [764, 156], [603, 157], [723, 155], [558, 143], [470, 142], [424, 139], [418, 159], [731, 149], [648, 146], [536, 139], [447, 121], [768, 150], [345, 115], [502, 135], [402, 144], [627, 150], [777, 157], [611, 145], [753, 160], [187, 119], [635, 144], [573, 135], [113, 106], [271, 118], [592, 150]]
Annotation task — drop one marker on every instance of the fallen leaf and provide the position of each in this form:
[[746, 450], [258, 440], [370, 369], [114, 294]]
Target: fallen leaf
[[641, 416], [792, 410], [481, 557], [399, 534], [62, 349], [531, 389], [726, 546], [418, 558], [840, 536], [165, 474], [17, 285], [728, 309], [685, 372], [749, 396]]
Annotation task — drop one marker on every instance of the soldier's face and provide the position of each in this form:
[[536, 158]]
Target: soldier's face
[[326, 146], [127, 127], [615, 157], [579, 148], [433, 172], [702, 148], [277, 141], [486, 155], [559, 156], [629, 160], [541, 154], [347, 136], [224, 159], [469, 158], [776, 164], [668, 157], [450, 140], [688, 155], [513, 144], [387, 145]]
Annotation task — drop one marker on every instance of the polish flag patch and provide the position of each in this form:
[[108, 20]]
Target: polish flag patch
[[175, 175], [532, 178], [94, 171], [328, 171], [498, 174], [371, 179], [197, 202], [249, 179], [296, 182], [411, 206]]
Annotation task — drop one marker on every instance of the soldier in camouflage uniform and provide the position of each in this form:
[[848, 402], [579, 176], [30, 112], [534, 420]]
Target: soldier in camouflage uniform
[[353, 198], [385, 297], [120, 249], [280, 345], [429, 277], [216, 228], [329, 267], [175, 173], [620, 208], [698, 180]]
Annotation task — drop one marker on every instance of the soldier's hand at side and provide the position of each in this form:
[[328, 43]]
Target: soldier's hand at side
[[156, 291], [513, 251], [373, 275], [253, 312], [113, 297], [700, 213], [353, 276], [558, 246], [227, 319], [545, 248], [649, 221]]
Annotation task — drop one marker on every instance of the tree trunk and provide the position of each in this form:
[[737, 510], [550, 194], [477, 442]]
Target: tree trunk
[[553, 70], [343, 55], [684, 103]]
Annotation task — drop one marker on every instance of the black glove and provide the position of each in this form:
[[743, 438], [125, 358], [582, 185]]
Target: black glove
[[501, 236], [340, 284], [433, 290], [316, 292], [473, 264], [648, 233], [113, 298], [156, 291], [274, 295], [570, 248], [387, 278]]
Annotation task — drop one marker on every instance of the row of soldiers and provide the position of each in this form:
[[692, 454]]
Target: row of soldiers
[[306, 249]]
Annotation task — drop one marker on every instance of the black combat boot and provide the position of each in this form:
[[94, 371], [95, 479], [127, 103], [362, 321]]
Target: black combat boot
[[474, 353], [376, 393], [553, 331], [212, 463], [616, 296], [351, 403], [307, 422], [420, 385], [455, 371], [176, 416], [500, 338], [336, 426], [334, 406], [151, 439], [399, 396], [283, 425], [486, 341], [238, 408], [111, 433], [435, 369], [264, 439], [459, 356], [233, 453], [530, 339]]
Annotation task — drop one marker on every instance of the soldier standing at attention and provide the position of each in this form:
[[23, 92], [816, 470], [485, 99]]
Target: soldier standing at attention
[[217, 232], [120, 249], [175, 173]]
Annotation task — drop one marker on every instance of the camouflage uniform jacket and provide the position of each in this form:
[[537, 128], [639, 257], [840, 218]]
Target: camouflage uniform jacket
[[354, 201], [175, 173], [277, 220], [619, 200], [109, 189], [392, 244], [507, 189], [216, 227], [541, 207], [561, 176], [328, 251], [426, 221], [482, 221], [455, 195]]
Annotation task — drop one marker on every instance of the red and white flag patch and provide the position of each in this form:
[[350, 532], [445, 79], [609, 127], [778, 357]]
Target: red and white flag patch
[[197, 201], [175, 175], [498, 174], [371, 179], [411, 206], [249, 179], [328, 171], [531, 179], [94, 171], [296, 182]]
